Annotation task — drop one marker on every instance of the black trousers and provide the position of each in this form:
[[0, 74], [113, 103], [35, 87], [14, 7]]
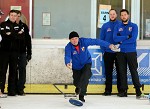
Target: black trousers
[[109, 61], [11, 59], [130, 60], [81, 78], [21, 72]]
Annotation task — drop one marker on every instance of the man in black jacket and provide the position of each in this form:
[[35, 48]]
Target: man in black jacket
[[24, 55], [1, 94], [10, 32], [1, 13]]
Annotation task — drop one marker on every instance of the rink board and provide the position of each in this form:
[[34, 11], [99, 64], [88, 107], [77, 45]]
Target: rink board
[[97, 81], [143, 57]]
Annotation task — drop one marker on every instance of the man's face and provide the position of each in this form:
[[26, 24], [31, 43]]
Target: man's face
[[13, 17], [74, 40], [18, 17], [124, 16], [112, 15]]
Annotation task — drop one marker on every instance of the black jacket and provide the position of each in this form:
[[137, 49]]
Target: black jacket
[[9, 42], [25, 40]]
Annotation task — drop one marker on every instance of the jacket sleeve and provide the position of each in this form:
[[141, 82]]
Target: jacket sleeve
[[28, 40], [0, 28], [90, 41], [134, 35], [102, 37], [0, 33], [67, 57], [118, 38], [4, 31]]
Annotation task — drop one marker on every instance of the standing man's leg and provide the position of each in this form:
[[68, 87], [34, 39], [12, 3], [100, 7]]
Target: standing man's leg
[[4, 58], [117, 72], [22, 73], [12, 73], [16, 79], [133, 65], [122, 62], [109, 59]]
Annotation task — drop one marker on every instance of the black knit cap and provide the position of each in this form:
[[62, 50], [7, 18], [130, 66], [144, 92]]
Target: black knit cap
[[73, 34]]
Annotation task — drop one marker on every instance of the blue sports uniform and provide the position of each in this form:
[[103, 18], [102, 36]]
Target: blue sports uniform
[[81, 63], [109, 56], [126, 35], [106, 34], [83, 57]]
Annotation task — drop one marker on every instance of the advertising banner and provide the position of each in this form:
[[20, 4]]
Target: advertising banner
[[143, 57]]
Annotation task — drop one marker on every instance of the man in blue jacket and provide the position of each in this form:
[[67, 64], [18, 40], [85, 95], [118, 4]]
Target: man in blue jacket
[[109, 56], [78, 58], [126, 34]]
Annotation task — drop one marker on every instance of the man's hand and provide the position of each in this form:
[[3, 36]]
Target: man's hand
[[69, 65], [112, 46], [117, 46], [20, 32], [28, 58], [116, 49], [8, 33]]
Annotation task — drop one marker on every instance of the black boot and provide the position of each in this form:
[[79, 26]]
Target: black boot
[[77, 90], [11, 94], [81, 97], [122, 93], [138, 93], [107, 93], [21, 93]]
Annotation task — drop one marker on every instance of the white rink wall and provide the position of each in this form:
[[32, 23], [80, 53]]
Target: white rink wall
[[47, 64]]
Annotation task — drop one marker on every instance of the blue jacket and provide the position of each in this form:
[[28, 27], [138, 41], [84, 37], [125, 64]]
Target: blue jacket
[[126, 35], [106, 34], [83, 57]]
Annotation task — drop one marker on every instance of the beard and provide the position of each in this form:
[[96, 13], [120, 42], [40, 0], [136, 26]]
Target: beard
[[125, 21]]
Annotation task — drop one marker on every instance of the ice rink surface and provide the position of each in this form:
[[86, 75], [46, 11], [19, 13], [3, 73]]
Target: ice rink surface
[[59, 102]]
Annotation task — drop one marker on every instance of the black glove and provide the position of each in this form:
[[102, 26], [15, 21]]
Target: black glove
[[129, 36], [118, 34], [28, 58]]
